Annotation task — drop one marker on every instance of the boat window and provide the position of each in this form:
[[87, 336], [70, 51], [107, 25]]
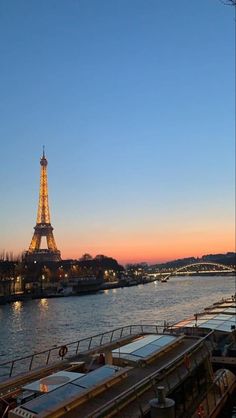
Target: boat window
[[225, 326], [135, 345], [222, 317], [54, 381], [165, 340], [146, 350], [52, 399], [211, 324], [230, 310], [96, 376]]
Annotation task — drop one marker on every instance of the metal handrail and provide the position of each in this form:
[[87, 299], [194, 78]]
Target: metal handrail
[[132, 330], [211, 389]]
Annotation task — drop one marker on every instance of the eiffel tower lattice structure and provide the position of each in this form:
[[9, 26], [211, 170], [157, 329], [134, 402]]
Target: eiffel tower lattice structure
[[43, 226]]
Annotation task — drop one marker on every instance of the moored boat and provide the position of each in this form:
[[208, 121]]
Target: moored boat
[[118, 373], [81, 285]]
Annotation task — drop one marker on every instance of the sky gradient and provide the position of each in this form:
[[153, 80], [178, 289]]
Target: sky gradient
[[134, 102]]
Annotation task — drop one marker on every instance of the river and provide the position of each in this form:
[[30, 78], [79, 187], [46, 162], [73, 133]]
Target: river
[[35, 325]]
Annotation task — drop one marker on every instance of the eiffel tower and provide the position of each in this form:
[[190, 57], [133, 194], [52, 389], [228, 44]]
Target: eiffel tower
[[43, 226]]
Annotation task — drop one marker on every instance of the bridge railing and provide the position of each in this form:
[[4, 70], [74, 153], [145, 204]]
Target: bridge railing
[[51, 355], [178, 270]]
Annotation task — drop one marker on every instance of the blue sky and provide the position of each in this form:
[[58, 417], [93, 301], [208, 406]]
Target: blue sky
[[134, 101]]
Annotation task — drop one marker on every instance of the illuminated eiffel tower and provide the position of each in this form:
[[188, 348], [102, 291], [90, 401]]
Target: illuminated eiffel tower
[[43, 226]]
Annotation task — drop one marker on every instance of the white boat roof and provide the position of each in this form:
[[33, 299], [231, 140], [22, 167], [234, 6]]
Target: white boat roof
[[220, 318], [144, 347]]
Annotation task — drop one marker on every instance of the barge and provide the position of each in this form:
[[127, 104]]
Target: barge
[[182, 370], [81, 285]]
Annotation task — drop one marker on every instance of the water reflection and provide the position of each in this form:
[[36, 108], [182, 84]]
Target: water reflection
[[17, 312], [43, 304], [36, 325], [43, 388], [17, 306]]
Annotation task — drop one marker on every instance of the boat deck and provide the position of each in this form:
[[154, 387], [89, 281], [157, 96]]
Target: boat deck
[[132, 389], [125, 393]]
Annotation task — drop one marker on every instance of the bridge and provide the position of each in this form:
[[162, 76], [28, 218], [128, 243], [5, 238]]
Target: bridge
[[222, 269]]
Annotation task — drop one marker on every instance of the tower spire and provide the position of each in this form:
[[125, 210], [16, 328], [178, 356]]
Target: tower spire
[[43, 224]]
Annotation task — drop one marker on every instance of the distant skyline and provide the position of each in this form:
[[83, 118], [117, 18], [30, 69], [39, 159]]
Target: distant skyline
[[135, 104]]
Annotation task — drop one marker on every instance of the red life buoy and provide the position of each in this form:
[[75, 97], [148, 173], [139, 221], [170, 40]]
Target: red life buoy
[[63, 351]]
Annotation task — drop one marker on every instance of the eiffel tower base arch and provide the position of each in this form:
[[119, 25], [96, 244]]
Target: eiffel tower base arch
[[42, 256]]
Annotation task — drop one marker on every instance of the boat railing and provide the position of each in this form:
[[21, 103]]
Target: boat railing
[[221, 386], [65, 352]]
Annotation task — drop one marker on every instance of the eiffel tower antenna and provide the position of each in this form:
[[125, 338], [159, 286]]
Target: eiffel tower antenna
[[43, 226]]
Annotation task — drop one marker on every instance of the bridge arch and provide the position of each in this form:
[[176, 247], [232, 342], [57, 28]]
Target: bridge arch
[[166, 277]]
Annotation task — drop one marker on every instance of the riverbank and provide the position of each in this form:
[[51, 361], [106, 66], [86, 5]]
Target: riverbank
[[21, 297], [25, 297], [48, 295]]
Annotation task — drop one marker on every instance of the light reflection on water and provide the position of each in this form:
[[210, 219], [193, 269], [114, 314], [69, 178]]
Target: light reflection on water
[[43, 304], [17, 306], [36, 325]]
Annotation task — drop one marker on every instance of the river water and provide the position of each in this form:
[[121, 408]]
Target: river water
[[35, 325]]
